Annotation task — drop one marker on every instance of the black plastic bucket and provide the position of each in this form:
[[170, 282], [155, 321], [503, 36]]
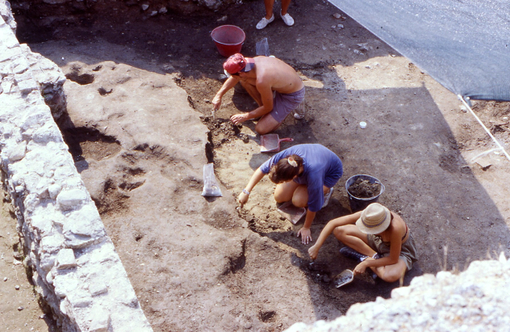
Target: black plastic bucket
[[357, 203]]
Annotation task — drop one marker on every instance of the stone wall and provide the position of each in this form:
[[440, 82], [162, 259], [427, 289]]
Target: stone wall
[[73, 262]]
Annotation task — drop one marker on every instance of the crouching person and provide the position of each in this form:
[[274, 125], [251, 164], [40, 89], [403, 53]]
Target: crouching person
[[376, 238]]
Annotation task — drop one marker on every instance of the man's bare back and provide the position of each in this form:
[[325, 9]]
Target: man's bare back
[[277, 74], [264, 76]]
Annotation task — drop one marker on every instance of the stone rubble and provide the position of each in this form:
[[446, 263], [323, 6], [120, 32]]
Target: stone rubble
[[74, 264], [475, 300]]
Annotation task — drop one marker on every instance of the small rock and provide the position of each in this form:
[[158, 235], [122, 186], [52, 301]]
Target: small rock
[[20, 308], [16, 287], [222, 19], [340, 26], [145, 7], [337, 15], [5, 279]]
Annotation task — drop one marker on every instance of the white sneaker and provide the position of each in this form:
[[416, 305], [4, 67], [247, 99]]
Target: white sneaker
[[299, 112], [327, 197], [264, 22], [287, 19]]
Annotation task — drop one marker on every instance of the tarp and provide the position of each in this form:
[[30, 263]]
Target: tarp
[[462, 44]]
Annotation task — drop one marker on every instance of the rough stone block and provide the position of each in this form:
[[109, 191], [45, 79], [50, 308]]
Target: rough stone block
[[31, 202], [8, 40], [47, 262], [97, 287], [84, 222], [104, 253], [42, 224], [71, 199], [47, 133], [10, 54], [100, 319], [65, 259], [26, 83], [80, 301], [36, 117], [65, 284], [20, 65], [16, 152], [36, 183], [54, 189]]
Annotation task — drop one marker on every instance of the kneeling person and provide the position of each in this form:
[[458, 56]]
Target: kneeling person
[[262, 76], [305, 175], [378, 238]]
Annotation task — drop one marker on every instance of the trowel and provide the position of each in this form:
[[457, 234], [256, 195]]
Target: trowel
[[343, 278]]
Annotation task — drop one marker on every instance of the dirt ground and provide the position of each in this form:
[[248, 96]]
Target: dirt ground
[[202, 264], [19, 306]]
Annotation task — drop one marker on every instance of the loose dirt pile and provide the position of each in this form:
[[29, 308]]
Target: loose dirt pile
[[362, 188]]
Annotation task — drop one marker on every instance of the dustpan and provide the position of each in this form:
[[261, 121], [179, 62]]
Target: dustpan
[[292, 213], [342, 279], [271, 142]]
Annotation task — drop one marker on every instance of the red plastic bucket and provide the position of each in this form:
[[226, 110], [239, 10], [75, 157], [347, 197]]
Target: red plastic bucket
[[228, 39]]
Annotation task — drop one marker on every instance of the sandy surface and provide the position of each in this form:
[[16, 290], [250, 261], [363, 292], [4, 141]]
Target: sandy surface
[[141, 131]]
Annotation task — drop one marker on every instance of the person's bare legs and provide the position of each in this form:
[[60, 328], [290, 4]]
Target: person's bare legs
[[266, 124], [253, 92], [391, 273], [351, 236], [285, 6], [300, 197], [326, 190], [269, 8], [285, 191]]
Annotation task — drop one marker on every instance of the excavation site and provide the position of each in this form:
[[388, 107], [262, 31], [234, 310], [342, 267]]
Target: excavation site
[[128, 124]]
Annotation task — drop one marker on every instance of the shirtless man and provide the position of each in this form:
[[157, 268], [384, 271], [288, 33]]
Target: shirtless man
[[260, 77], [377, 238]]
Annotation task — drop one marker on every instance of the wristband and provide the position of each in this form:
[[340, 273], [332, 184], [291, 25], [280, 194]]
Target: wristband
[[246, 192]]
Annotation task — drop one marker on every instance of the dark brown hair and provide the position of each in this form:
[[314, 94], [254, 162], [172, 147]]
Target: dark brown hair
[[284, 171]]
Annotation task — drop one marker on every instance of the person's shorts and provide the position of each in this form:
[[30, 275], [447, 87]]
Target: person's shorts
[[407, 253], [284, 104]]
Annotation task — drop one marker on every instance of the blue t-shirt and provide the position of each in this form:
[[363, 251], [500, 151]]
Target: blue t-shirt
[[322, 167]]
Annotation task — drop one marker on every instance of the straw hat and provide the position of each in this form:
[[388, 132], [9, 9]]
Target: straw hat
[[374, 219]]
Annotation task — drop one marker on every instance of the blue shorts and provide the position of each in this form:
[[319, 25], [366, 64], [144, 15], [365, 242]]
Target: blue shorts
[[284, 104]]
